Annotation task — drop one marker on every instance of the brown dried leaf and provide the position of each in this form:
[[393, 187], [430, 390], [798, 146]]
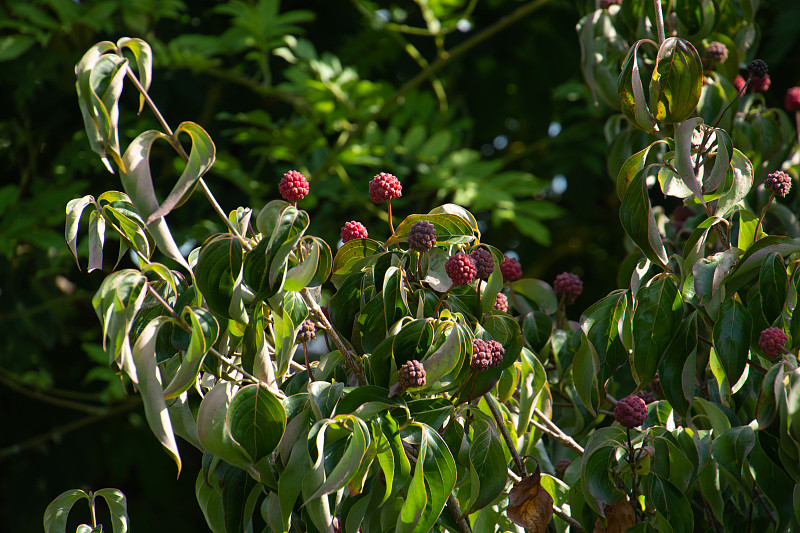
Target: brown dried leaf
[[619, 518], [529, 505]]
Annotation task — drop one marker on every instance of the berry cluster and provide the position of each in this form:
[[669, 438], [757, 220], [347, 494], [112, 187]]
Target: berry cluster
[[779, 183], [717, 51], [568, 285], [384, 187], [772, 342], [483, 263], [353, 230], [422, 236], [792, 101], [307, 331], [486, 354], [511, 269], [411, 374], [647, 396], [630, 411], [460, 268], [293, 186], [501, 302]]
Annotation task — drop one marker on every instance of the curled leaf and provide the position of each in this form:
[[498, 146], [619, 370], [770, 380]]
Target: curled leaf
[[529, 505]]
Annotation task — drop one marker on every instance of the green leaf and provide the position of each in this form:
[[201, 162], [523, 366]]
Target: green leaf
[[487, 464], [352, 257], [324, 396], [74, 211], [143, 55], [585, 374], [395, 305], [671, 504], [13, 46], [595, 481], [730, 451], [658, 314], [57, 511], [636, 215], [240, 493], [602, 325], [138, 184], [447, 357], [632, 166], [148, 379], [677, 81], [219, 276], [348, 464], [631, 92], [117, 506], [684, 163], [744, 269], [732, 332], [433, 481], [537, 291], [773, 285], [741, 184], [205, 331], [677, 370], [450, 229], [412, 341], [213, 428], [97, 231], [290, 483], [257, 420], [201, 157], [533, 381], [391, 456]]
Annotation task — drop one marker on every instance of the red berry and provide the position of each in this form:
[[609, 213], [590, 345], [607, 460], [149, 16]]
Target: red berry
[[481, 355], [568, 285], [293, 186], [738, 82], [759, 85], [772, 342], [511, 269], [353, 230], [483, 262], [384, 187], [460, 268], [778, 183], [630, 411], [792, 101], [501, 302]]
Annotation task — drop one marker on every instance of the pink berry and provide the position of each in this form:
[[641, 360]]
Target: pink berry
[[293, 186], [460, 268], [772, 342], [384, 187], [630, 411], [511, 269], [353, 230]]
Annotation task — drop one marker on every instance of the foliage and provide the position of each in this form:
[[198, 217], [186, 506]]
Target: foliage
[[697, 292]]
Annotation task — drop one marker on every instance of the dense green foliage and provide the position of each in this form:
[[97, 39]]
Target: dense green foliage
[[341, 125]]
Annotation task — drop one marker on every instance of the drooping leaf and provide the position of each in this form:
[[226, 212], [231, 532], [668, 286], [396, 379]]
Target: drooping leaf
[[205, 331], [118, 508], [57, 511], [638, 221], [677, 81], [631, 92], [529, 505]]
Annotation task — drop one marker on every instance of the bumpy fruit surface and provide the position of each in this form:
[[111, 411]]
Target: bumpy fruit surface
[[460, 268], [759, 85], [497, 353], [422, 236], [293, 186], [353, 230], [717, 51], [501, 302], [483, 262], [758, 68], [308, 330], [772, 342], [630, 411], [569, 285], [481, 355], [511, 269], [778, 183], [647, 396], [561, 467], [384, 187], [411, 374], [792, 101]]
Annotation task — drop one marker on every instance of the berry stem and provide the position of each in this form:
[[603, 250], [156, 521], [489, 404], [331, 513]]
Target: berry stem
[[441, 299], [308, 365], [634, 480], [761, 218], [389, 206], [480, 281]]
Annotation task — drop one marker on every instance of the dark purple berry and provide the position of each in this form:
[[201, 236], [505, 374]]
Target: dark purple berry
[[481, 355], [411, 374], [717, 51], [308, 330], [422, 236], [568, 285], [483, 262], [778, 183], [758, 68], [772, 342]]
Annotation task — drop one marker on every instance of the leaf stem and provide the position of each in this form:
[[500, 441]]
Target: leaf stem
[[92, 509], [634, 481], [761, 218], [490, 401], [659, 21]]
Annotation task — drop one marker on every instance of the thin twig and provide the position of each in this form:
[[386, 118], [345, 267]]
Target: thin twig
[[41, 396], [458, 516], [67, 428], [659, 21], [349, 356], [556, 432], [567, 518], [490, 401]]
